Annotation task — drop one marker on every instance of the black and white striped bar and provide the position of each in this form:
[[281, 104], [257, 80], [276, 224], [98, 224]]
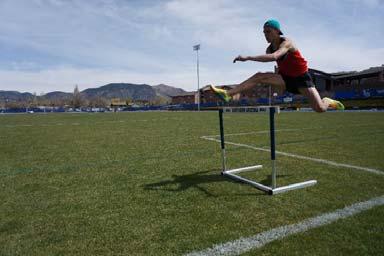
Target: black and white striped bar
[[232, 173]]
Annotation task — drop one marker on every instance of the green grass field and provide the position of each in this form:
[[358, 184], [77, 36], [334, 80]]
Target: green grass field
[[148, 184]]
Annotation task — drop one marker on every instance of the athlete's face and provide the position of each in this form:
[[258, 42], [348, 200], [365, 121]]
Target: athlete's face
[[271, 34]]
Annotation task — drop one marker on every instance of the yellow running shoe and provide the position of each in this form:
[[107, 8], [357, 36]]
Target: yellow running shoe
[[222, 94], [335, 104]]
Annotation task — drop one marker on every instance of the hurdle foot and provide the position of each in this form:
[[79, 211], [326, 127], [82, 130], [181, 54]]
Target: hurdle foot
[[293, 186]]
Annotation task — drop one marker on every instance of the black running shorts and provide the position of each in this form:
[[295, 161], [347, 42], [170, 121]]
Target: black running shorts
[[292, 84]]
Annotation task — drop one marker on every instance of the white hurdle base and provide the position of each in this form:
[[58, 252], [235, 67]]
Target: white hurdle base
[[269, 190]]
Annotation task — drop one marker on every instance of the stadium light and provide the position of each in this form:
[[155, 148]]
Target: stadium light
[[197, 48]]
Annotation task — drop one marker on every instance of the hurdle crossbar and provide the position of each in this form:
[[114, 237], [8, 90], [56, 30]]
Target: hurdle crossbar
[[233, 173]]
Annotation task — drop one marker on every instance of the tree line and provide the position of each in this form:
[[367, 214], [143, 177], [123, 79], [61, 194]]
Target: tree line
[[76, 100]]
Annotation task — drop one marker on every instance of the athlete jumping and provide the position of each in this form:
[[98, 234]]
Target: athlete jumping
[[293, 73]]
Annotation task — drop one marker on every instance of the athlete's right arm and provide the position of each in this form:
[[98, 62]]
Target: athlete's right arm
[[246, 58], [260, 58], [268, 57]]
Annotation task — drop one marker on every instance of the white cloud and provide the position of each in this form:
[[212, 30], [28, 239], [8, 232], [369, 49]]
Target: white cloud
[[57, 44]]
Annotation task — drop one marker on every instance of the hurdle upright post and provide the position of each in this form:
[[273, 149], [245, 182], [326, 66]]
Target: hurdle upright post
[[273, 145], [222, 142]]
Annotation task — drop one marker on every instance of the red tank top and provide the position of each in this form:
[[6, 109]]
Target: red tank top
[[292, 64]]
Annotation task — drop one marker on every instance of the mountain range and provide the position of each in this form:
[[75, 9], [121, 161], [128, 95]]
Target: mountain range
[[108, 91]]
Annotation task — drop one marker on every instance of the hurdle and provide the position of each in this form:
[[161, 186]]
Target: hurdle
[[233, 173]]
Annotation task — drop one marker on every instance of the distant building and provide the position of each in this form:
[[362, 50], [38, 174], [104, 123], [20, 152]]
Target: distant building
[[141, 102], [116, 102], [322, 80], [185, 98], [369, 78], [366, 83]]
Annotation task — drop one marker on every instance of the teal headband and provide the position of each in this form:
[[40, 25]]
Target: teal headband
[[273, 24]]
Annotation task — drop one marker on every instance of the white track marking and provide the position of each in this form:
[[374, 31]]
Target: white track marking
[[258, 132], [76, 124], [243, 245], [318, 160], [281, 130]]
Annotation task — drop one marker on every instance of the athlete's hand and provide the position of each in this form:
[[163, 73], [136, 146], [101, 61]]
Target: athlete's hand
[[239, 58]]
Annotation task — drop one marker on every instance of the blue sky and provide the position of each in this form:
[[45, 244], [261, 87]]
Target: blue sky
[[49, 45]]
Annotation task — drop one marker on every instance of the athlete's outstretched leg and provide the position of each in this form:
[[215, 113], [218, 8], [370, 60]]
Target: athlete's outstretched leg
[[259, 79], [255, 80]]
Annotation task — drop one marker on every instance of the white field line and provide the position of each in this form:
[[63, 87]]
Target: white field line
[[318, 160], [258, 132], [171, 118], [76, 124], [246, 244], [286, 130]]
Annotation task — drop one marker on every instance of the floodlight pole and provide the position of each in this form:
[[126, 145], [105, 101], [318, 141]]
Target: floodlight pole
[[197, 48]]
